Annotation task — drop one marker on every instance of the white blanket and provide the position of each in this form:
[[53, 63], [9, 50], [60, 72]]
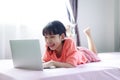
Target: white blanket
[[107, 69]]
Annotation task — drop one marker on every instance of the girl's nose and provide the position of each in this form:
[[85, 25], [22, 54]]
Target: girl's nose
[[48, 40]]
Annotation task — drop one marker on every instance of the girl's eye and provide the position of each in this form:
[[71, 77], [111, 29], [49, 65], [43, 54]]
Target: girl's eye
[[52, 36], [46, 37]]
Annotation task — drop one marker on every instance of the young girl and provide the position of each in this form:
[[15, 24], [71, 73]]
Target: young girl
[[61, 51]]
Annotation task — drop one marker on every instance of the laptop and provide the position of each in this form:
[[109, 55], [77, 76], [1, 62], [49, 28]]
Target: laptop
[[26, 54]]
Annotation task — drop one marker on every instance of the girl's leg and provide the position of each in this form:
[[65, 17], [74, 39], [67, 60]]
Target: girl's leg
[[91, 44]]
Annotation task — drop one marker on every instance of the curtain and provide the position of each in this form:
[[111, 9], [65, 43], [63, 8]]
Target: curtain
[[11, 32], [72, 6]]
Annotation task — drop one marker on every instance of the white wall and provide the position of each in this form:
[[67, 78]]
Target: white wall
[[100, 16]]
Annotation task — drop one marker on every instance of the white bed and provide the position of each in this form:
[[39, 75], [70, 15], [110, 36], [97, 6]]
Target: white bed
[[107, 69]]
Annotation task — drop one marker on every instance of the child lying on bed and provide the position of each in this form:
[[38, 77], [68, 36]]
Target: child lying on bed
[[61, 51]]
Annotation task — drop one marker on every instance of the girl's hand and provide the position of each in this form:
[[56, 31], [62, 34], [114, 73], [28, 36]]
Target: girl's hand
[[55, 64], [49, 64]]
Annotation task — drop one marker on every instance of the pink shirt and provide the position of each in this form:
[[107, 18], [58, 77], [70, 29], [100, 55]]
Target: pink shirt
[[70, 54]]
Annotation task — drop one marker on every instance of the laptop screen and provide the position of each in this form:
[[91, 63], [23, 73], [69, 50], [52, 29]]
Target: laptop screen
[[26, 54]]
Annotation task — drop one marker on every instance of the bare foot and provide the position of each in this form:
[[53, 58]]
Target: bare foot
[[87, 31]]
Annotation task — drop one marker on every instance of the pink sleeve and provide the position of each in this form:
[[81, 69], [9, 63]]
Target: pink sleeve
[[46, 56]]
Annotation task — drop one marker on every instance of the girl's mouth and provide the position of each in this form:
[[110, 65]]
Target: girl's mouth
[[51, 45]]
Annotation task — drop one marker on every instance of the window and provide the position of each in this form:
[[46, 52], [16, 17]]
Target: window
[[21, 19]]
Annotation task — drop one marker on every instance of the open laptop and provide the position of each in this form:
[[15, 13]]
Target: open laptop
[[26, 54]]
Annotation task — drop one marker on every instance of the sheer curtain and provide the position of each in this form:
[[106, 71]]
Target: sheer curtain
[[72, 7], [24, 19]]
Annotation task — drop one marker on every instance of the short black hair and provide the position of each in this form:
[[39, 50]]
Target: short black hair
[[53, 28]]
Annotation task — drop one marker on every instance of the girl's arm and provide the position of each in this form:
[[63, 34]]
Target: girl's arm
[[57, 64]]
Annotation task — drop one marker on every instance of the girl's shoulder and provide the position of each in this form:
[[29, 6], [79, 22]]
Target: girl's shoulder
[[69, 39]]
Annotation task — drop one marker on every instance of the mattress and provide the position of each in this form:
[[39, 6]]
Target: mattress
[[107, 69]]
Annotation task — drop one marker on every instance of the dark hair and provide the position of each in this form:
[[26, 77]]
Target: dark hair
[[53, 28]]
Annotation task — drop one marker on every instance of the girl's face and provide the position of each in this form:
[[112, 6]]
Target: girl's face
[[54, 42]]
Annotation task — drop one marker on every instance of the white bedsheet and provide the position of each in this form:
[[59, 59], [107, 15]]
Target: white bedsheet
[[107, 69]]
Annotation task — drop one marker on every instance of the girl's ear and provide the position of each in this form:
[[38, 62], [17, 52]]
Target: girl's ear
[[62, 36]]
